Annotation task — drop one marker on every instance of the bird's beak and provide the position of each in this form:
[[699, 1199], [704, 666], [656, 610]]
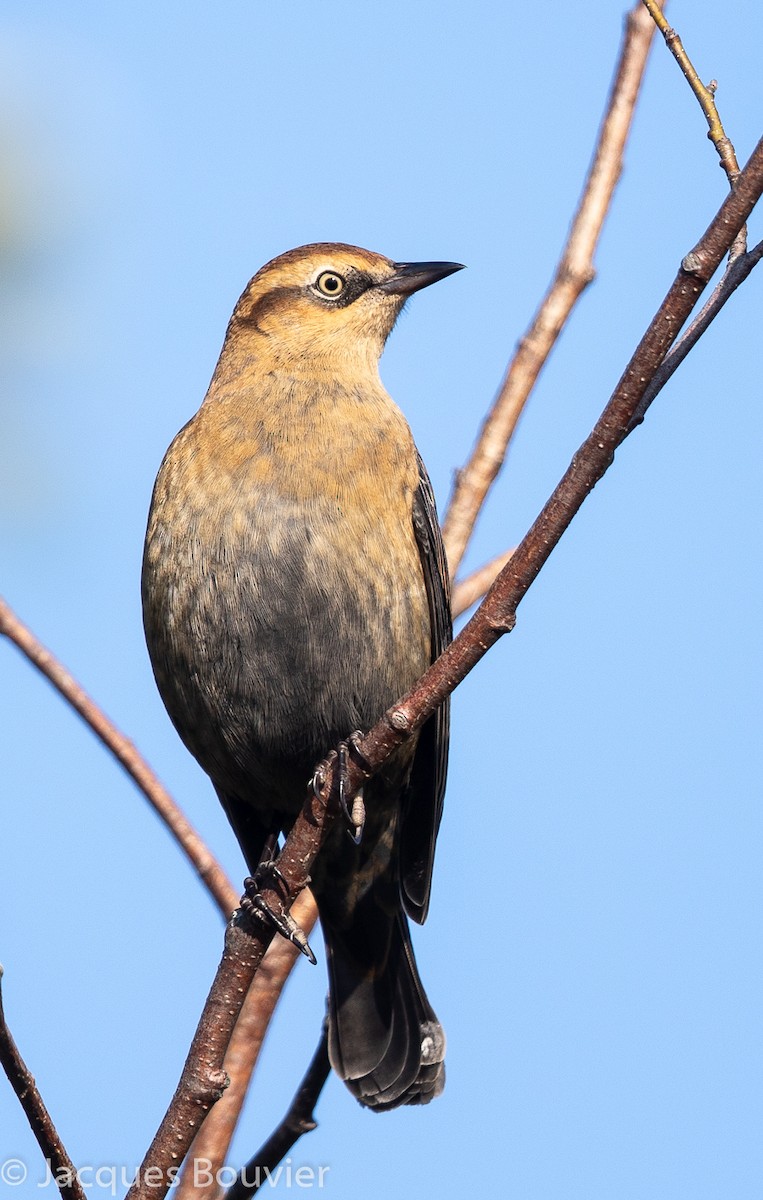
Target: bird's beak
[[410, 277]]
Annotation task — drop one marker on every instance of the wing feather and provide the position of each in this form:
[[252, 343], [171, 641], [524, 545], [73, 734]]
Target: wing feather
[[422, 808]]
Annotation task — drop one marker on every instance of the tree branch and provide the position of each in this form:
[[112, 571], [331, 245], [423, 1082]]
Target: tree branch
[[299, 1119], [705, 95], [212, 1142], [22, 1081], [706, 98], [246, 940], [736, 272], [203, 861], [574, 272], [468, 591]]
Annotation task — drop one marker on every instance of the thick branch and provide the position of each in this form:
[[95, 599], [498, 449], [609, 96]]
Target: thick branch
[[574, 272], [203, 1079], [205, 864], [22, 1081], [211, 1144], [202, 1076]]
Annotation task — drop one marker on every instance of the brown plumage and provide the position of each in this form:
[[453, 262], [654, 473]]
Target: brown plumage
[[294, 586]]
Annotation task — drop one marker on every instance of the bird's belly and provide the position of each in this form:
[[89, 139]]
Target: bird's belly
[[279, 637]]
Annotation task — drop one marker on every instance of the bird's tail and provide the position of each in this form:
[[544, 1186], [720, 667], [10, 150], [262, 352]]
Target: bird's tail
[[385, 1041]]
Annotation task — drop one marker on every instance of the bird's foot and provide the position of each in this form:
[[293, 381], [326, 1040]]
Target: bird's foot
[[253, 902], [355, 813]]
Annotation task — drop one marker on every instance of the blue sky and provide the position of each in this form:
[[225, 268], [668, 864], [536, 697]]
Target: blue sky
[[593, 948]]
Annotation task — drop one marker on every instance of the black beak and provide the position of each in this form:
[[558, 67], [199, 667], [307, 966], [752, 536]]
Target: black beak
[[410, 277]]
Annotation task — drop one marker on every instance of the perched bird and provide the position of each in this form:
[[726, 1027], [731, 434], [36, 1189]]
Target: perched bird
[[294, 586]]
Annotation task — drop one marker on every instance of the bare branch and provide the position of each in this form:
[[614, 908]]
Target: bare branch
[[203, 861], [299, 1119], [468, 591], [202, 1079], [574, 272], [211, 1144], [705, 95], [706, 98], [22, 1081], [736, 272]]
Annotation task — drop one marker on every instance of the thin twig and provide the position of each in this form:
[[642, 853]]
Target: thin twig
[[706, 98], [705, 95], [203, 861], [246, 941], [211, 1144], [300, 1119], [736, 272], [22, 1081], [468, 591], [574, 272]]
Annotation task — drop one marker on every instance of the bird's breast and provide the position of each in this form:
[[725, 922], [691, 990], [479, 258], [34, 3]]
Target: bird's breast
[[284, 597]]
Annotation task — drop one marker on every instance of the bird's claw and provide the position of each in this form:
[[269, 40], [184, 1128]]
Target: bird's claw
[[355, 814], [253, 902], [318, 781]]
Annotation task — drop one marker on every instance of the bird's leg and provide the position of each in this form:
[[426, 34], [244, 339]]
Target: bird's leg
[[269, 851], [355, 815], [253, 902]]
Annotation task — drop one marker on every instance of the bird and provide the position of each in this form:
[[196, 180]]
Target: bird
[[294, 585]]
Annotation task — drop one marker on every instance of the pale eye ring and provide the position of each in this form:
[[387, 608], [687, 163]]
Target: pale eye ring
[[330, 284]]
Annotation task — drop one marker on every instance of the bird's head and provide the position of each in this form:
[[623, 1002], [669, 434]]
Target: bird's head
[[327, 302]]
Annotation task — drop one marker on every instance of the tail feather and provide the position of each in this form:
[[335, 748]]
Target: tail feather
[[385, 1041]]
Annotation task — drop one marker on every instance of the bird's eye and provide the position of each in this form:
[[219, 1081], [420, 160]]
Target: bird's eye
[[330, 284]]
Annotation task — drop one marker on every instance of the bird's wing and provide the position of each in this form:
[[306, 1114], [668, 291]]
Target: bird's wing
[[422, 807]]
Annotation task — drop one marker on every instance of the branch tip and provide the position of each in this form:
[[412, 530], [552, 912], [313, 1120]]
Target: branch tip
[[574, 271]]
